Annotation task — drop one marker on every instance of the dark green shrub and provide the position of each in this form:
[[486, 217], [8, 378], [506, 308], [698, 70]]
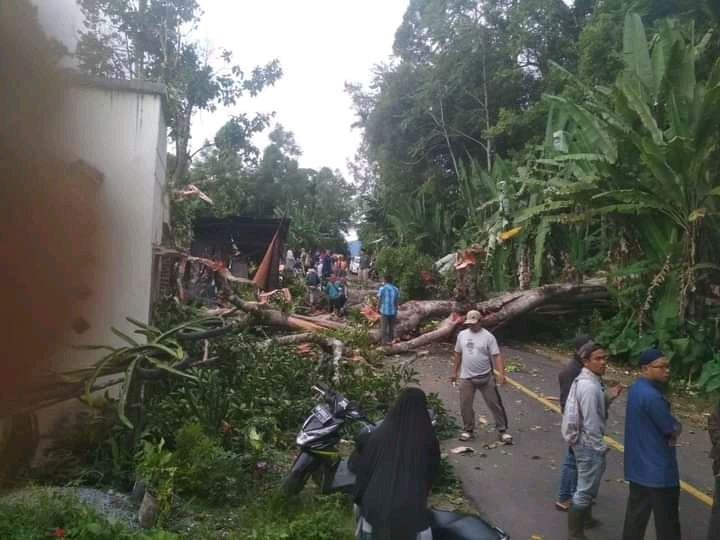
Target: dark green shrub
[[204, 469], [405, 264], [90, 448]]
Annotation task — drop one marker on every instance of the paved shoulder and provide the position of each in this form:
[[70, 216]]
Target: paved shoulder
[[515, 486]]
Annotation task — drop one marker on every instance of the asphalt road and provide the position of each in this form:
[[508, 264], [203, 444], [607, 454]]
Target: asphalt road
[[515, 487]]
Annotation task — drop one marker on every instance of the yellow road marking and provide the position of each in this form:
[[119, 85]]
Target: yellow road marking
[[687, 488]]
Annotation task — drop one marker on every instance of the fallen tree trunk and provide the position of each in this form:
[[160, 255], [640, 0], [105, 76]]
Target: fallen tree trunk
[[443, 331], [501, 310], [283, 320], [497, 312], [357, 296]]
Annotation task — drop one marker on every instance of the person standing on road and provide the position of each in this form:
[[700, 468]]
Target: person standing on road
[[476, 354], [714, 432], [583, 428], [326, 268], [388, 298], [364, 267], [312, 281], [651, 465], [568, 472]]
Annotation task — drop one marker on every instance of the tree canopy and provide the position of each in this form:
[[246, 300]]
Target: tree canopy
[[154, 40], [569, 139]]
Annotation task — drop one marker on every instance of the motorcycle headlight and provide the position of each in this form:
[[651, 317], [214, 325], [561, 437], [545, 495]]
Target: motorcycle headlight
[[304, 437]]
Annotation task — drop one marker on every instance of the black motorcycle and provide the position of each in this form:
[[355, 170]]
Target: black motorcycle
[[319, 439], [319, 459]]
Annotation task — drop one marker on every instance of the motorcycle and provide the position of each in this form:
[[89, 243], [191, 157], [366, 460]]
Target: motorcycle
[[319, 458], [318, 440]]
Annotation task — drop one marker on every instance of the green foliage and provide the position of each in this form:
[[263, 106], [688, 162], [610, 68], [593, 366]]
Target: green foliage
[[328, 521], [267, 390], [215, 445], [89, 449], [447, 480], [623, 183], [690, 346], [168, 312], [257, 397], [357, 337], [197, 468], [709, 380], [405, 264], [206, 470], [298, 290], [445, 425], [37, 513], [274, 517], [155, 350], [319, 203], [157, 468], [120, 40]]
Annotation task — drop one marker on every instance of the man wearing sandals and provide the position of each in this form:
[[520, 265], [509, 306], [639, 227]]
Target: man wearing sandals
[[476, 356]]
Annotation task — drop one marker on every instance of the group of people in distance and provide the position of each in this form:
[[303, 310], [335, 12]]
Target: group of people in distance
[[400, 462]]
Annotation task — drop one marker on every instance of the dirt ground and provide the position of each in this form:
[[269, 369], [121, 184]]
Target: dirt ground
[[514, 487]]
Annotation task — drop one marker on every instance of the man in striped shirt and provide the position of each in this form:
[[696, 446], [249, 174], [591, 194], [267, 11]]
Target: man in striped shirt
[[388, 295]]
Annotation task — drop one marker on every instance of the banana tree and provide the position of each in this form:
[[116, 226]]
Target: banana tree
[[645, 151], [425, 222]]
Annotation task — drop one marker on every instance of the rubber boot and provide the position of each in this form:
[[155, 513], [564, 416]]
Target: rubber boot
[[589, 521], [576, 523]]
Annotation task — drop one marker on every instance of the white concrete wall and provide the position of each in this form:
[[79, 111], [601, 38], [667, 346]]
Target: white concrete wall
[[161, 197], [122, 134]]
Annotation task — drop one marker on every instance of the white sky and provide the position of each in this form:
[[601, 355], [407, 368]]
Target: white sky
[[321, 44]]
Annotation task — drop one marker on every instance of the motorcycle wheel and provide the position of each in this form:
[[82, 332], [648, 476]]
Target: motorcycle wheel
[[294, 483], [318, 478]]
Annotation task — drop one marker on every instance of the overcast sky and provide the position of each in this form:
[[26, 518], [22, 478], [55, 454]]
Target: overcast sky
[[321, 44]]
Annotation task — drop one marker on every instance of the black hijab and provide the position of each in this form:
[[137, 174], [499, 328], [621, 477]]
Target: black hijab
[[396, 468]]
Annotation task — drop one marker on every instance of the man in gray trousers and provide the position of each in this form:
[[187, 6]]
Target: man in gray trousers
[[476, 356]]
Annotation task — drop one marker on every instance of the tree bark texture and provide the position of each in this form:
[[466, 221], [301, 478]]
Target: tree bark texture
[[561, 298]]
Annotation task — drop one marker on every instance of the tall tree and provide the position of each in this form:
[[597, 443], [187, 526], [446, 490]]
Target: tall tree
[[152, 40], [241, 180]]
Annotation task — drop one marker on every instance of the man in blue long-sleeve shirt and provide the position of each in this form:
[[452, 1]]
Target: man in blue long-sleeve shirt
[[651, 465]]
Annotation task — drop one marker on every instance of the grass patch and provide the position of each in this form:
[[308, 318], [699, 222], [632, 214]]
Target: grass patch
[[274, 517], [41, 513]]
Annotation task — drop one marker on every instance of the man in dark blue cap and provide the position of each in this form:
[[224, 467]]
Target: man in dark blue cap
[[651, 467]]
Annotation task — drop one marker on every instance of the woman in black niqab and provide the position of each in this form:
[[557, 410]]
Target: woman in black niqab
[[395, 470]]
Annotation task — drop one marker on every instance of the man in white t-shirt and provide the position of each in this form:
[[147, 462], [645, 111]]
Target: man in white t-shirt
[[476, 356]]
